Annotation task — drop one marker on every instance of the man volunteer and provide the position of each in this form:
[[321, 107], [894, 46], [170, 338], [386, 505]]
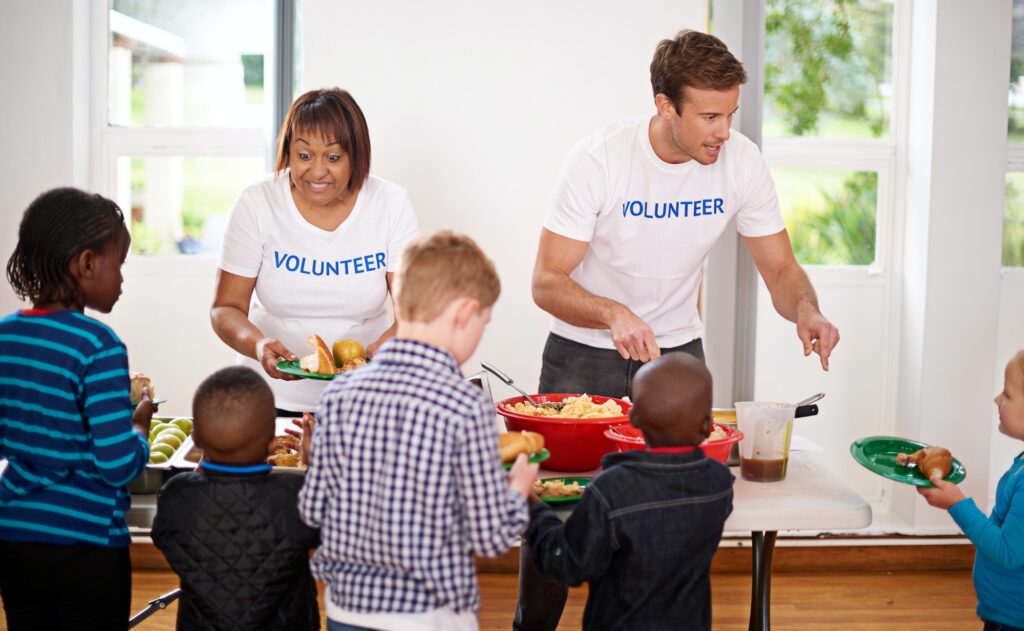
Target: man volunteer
[[636, 209]]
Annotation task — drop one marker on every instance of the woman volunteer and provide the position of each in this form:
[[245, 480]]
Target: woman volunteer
[[318, 241]]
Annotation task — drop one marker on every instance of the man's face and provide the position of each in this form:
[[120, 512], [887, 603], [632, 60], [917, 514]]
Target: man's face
[[702, 126]]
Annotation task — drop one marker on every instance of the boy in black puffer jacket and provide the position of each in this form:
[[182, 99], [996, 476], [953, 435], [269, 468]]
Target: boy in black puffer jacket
[[231, 530]]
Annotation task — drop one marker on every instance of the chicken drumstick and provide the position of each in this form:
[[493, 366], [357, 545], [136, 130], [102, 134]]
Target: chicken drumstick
[[929, 461]]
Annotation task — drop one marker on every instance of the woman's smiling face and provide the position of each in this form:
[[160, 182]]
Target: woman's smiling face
[[320, 170]]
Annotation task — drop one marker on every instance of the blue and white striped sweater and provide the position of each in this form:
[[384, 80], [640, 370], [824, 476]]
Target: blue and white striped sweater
[[65, 430]]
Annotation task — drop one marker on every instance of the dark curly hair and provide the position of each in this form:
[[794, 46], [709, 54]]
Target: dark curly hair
[[693, 59], [57, 226]]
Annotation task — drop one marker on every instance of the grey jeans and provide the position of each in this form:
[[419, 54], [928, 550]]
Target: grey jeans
[[574, 368]]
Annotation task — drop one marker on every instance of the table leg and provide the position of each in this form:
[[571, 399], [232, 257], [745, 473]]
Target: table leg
[[763, 544]]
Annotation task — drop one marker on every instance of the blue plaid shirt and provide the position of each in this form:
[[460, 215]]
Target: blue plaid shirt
[[406, 485]]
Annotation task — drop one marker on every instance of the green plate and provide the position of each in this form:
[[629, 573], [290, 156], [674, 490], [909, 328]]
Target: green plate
[[292, 368], [539, 456], [878, 454], [583, 482]]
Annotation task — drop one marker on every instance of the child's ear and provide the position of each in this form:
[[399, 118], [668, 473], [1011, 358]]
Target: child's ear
[[83, 266], [466, 309], [706, 426]]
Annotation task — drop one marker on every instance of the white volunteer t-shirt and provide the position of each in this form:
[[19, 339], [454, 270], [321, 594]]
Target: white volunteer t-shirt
[[651, 224], [310, 280]]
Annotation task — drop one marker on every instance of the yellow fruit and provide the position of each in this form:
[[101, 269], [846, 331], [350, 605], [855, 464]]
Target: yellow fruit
[[157, 457], [162, 448], [154, 430], [347, 350], [183, 424], [167, 438]]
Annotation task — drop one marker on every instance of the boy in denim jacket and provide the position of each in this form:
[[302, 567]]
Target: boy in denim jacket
[[645, 530]]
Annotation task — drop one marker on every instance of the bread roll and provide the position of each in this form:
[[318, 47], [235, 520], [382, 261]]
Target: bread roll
[[138, 382], [511, 444], [321, 361]]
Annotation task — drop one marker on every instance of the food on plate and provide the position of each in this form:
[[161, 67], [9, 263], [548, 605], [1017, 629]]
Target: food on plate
[[320, 361], [166, 436], [284, 460], [352, 364], [511, 444], [717, 433], [929, 460], [283, 445], [581, 406], [348, 350], [557, 488], [283, 451], [138, 382]]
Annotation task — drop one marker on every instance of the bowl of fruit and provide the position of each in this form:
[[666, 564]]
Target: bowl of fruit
[[166, 436]]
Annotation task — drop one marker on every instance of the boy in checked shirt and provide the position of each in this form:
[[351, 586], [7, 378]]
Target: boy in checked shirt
[[404, 481]]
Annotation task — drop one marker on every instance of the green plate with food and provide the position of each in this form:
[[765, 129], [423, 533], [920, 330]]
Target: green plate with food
[[292, 368], [538, 456], [878, 455], [560, 490]]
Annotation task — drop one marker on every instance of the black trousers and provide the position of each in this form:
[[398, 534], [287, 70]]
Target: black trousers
[[573, 368], [57, 587]]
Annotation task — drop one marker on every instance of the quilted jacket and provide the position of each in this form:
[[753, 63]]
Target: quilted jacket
[[240, 549]]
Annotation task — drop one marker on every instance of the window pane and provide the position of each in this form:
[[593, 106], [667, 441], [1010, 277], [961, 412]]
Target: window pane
[[830, 215], [192, 63], [180, 205], [1013, 221], [828, 68], [1017, 74]]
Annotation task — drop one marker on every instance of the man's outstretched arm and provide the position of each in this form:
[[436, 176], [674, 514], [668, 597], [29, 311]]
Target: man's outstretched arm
[[792, 293]]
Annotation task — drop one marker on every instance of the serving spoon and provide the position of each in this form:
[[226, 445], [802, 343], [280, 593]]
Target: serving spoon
[[554, 405]]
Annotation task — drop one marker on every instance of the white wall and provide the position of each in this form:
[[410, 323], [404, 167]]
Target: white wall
[[472, 107], [36, 134]]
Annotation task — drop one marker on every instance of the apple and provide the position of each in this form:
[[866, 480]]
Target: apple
[[347, 350]]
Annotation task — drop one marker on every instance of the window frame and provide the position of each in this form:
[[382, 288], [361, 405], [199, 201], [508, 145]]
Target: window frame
[[108, 143], [1014, 164], [883, 156]]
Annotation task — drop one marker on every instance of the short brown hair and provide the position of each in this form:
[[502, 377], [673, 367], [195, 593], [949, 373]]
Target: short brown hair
[[693, 59], [335, 115], [442, 267]]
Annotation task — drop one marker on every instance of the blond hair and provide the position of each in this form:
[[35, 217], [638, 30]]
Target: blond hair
[[1017, 361], [442, 267]]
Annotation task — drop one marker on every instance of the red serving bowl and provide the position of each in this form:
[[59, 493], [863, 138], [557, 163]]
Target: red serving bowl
[[627, 437], [575, 444]]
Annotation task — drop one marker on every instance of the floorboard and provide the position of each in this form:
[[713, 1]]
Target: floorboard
[[846, 601]]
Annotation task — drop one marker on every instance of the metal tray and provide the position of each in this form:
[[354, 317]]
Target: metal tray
[[187, 457], [151, 478]]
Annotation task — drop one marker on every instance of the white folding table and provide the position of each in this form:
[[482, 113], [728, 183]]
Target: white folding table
[[810, 498]]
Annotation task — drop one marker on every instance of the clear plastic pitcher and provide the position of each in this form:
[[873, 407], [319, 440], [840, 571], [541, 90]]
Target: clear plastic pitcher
[[767, 429]]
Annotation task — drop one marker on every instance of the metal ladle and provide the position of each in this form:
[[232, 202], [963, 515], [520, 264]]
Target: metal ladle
[[805, 407], [508, 381]]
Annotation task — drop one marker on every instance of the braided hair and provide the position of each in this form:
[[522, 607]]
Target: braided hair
[[58, 226]]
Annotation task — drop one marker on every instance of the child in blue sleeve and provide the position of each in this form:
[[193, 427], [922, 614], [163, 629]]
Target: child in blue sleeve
[[67, 429], [999, 538]]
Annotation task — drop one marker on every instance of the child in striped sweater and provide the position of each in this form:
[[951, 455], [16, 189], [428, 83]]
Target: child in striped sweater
[[67, 429]]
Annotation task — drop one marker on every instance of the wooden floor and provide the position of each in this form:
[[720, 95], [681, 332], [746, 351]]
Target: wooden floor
[[865, 601]]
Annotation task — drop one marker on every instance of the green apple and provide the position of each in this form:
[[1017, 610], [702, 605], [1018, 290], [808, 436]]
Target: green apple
[[164, 448], [172, 429], [183, 424], [157, 457], [167, 438]]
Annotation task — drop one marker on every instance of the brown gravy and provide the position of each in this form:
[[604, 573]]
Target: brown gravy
[[762, 470]]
